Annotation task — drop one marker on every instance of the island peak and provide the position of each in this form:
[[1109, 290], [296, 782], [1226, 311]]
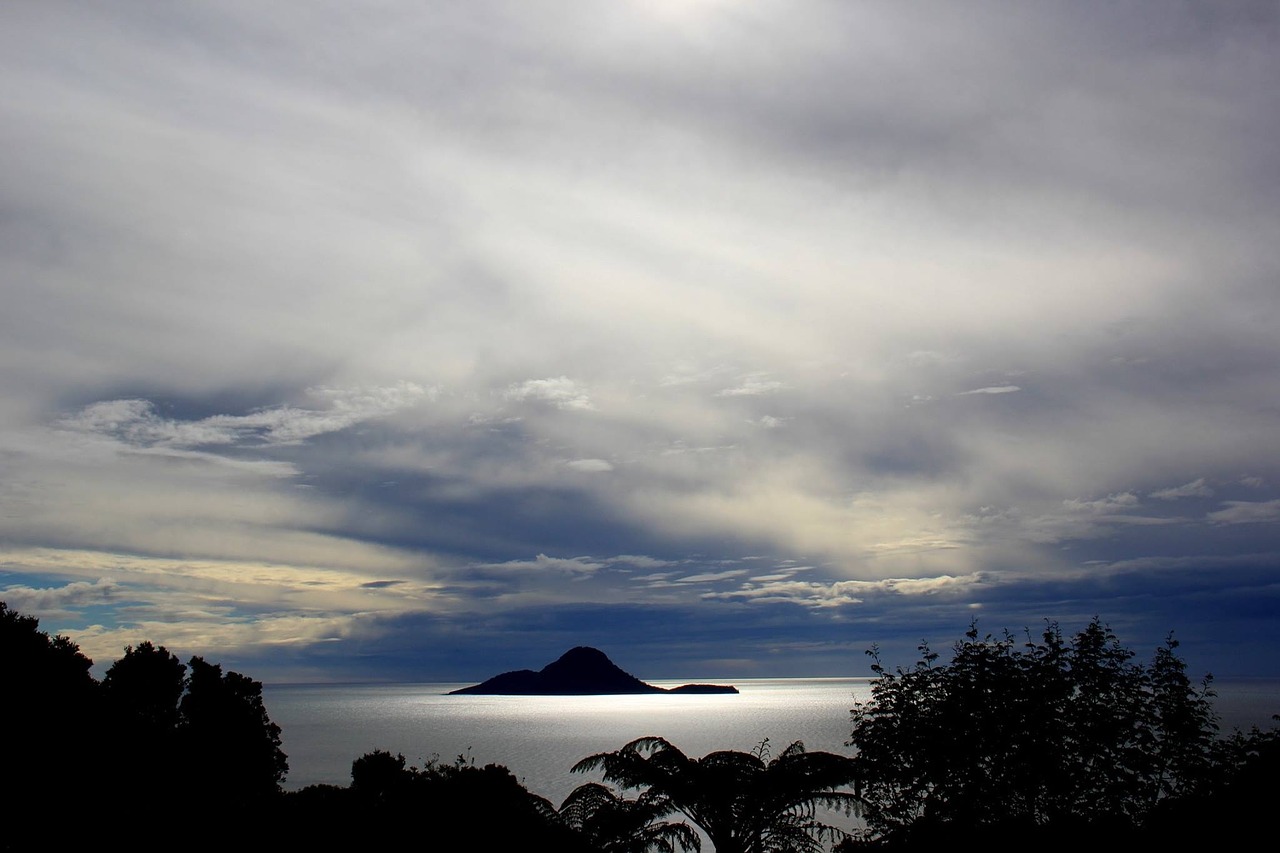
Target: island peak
[[581, 671]]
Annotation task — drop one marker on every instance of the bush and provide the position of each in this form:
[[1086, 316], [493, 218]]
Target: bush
[[1015, 737]]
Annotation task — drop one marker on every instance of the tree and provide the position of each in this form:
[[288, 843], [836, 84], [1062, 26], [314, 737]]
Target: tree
[[379, 774], [145, 742], [457, 806], [231, 745], [743, 803], [145, 686], [142, 691], [611, 823], [1011, 738], [49, 702]]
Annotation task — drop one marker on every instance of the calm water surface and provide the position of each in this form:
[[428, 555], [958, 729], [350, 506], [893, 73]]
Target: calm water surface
[[539, 738], [325, 727]]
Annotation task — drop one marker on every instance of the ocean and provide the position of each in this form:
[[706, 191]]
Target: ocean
[[325, 727]]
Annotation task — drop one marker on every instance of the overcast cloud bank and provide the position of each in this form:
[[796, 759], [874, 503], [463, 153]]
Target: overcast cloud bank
[[359, 342]]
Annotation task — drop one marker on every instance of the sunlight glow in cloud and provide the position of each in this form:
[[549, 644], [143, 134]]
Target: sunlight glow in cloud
[[851, 592]]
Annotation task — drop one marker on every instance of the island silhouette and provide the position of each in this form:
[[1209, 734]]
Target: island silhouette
[[581, 671]]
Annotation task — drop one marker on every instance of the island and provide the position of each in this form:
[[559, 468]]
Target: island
[[581, 671]]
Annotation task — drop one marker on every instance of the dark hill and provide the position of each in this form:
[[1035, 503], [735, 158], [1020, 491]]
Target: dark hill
[[581, 671]]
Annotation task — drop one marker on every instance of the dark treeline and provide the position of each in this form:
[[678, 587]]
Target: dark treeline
[[1061, 742], [1053, 741], [155, 747]]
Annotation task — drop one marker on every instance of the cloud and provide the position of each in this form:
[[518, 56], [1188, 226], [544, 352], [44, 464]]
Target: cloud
[[544, 564], [196, 633], [137, 422], [210, 607], [561, 392], [293, 334], [930, 358], [992, 389], [59, 600], [752, 386], [711, 577], [590, 466], [641, 562], [1110, 504], [1247, 512], [842, 593], [1195, 489]]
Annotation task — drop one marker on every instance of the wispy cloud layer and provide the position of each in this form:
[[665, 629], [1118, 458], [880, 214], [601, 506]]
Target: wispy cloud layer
[[365, 328], [137, 423]]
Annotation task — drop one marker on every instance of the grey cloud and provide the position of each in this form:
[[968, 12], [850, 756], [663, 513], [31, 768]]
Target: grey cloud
[[561, 392], [1195, 489], [711, 577], [1247, 512], [58, 601], [752, 386], [992, 389], [137, 422], [543, 563], [776, 576], [641, 562], [590, 466], [1111, 503]]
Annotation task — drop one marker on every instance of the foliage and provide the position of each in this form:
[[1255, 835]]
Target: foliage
[[227, 734], [379, 773], [743, 803], [147, 728], [611, 823], [207, 734], [1234, 808], [49, 703], [141, 692], [27, 653], [1030, 735], [455, 806], [145, 686]]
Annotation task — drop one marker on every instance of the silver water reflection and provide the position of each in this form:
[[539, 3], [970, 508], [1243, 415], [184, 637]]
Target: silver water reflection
[[539, 738]]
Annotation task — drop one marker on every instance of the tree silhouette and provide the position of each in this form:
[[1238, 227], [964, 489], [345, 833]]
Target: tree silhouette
[[743, 803], [141, 692], [206, 734], [379, 774], [52, 757], [148, 734], [1009, 737], [49, 701], [231, 745], [145, 686], [614, 824]]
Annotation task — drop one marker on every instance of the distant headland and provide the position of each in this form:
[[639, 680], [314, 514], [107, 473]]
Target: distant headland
[[581, 671]]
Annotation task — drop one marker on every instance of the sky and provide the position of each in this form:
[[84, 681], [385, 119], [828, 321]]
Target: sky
[[419, 341]]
